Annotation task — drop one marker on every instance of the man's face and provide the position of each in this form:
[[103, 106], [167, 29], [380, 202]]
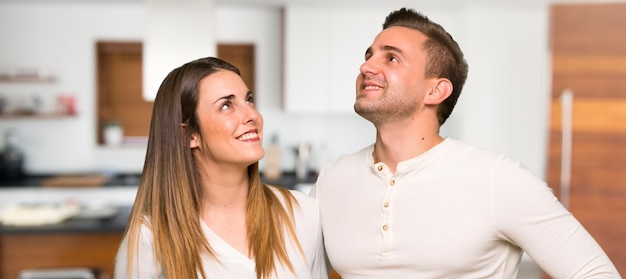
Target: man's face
[[391, 82]]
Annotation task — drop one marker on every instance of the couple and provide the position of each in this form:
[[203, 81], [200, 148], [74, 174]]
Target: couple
[[411, 205]]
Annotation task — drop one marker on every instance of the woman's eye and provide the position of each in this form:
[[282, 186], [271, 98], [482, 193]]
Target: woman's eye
[[225, 106], [250, 99]]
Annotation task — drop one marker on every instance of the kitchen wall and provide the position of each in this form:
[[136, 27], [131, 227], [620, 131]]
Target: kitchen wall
[[503, 107]]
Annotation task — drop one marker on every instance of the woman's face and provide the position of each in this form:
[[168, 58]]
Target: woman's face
[[231, 128]]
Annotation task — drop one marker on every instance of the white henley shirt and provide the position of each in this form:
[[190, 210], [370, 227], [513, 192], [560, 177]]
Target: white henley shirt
[[453, 212]]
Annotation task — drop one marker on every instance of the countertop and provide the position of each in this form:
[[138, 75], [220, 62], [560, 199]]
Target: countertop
[[116, 223], [287, 180], [124, 179], [119, 192]]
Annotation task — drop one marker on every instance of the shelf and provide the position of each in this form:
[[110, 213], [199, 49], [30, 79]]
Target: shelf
[[27, 79], [35, 116]]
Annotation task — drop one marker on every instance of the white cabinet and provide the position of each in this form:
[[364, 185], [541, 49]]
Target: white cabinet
[[324, 48]]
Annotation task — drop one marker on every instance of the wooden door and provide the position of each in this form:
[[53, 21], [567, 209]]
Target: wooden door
[[588, 44]]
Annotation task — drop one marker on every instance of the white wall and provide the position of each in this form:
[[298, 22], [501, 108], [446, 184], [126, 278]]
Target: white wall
[[503, 107], [60, 38]]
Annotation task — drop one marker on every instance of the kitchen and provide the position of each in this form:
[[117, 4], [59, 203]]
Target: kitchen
[[488, 116], [36, 30]]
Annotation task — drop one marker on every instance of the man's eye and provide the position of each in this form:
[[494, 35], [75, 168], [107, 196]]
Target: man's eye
[[393, 59]]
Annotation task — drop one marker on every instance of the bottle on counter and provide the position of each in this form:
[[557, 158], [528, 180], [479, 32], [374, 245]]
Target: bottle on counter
[[11, 158], [272, 169], [303, 154]]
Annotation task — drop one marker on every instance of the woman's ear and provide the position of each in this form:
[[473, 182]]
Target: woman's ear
[[440, 92], [194, 141]]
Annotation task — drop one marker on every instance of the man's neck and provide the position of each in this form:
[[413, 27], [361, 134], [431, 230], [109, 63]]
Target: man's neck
[[397, 142]]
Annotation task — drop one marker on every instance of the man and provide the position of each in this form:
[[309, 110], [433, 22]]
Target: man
[[416, 205]]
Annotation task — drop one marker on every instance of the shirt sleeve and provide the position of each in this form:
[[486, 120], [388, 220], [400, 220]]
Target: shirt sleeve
[[528, 214], [313, 233], [144, 265], [319, 268]]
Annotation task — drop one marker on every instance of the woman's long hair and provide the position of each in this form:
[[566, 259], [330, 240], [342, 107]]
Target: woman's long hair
[[169, 194]]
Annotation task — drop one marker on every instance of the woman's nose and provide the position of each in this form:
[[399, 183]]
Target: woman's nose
[[251, 114]]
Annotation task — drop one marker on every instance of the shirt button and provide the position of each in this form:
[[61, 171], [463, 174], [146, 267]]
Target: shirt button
[[386, 204], [380, 167], [391, 182], [385, 227]]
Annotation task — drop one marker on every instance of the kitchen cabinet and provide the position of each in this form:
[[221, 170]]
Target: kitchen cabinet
[[324, 48], [87, 243], [58, 250]]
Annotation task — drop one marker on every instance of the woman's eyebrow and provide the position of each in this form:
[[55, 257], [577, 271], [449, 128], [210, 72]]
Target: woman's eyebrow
[[227, 97]]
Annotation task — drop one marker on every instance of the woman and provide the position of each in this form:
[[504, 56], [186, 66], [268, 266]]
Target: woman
[[201, 210]]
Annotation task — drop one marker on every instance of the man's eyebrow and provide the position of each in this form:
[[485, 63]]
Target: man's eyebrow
[[369, 51], [392, 49]]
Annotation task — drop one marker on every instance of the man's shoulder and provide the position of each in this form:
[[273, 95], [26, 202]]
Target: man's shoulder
[[359, 156], [475, 155], [347, 166]]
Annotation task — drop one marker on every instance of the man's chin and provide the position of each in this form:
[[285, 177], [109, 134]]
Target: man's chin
[[367, 113]]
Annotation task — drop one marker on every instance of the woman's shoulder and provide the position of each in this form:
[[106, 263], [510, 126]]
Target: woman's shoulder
[[144, 232], [303, 198], [304, 202]]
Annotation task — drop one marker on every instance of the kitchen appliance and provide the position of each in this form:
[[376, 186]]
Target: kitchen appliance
[[11, 158]]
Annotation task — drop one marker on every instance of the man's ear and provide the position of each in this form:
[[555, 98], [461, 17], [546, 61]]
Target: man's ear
[[440, 92]]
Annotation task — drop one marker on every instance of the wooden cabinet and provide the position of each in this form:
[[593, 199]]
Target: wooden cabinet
[[58, 250], [589, 60], [75, 243], [324, 48]]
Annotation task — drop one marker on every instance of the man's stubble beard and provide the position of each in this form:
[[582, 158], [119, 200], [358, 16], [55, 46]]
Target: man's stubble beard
[[388, 109]]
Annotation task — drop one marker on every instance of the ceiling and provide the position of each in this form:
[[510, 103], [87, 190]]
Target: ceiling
[[401, 3], [356, 3]]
